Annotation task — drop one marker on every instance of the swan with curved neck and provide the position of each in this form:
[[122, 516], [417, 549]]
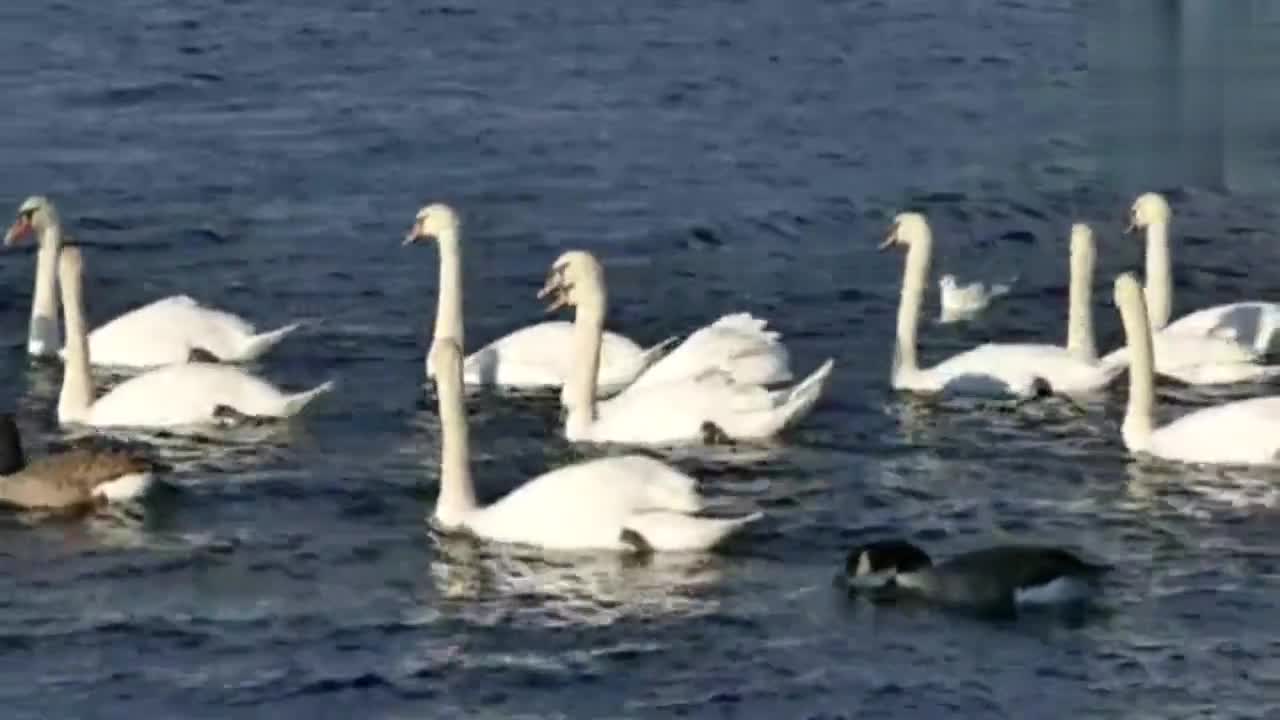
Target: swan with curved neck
[[1254, 324], [630, 502], [163, 332], [1217, 345], [1020, 369], [683, 410], [532, 357], [1245, 432], [169, 396]]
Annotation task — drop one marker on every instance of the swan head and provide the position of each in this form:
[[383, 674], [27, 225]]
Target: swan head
[[1081, 239], [1128, 292], [34, 215], [875, 565], [433, 222], [908, 229], [1149, 209], [574, 278]]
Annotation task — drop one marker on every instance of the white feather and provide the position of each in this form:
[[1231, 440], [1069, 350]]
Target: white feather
[[738, 345], [165, 332], [126, 487], [1059, 591]]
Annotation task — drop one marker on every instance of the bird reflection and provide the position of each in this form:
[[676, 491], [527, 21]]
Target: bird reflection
[[1187, 487], [494, 581]]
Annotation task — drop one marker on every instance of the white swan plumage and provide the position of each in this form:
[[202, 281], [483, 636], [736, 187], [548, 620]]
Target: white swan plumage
[[1245, 432], [532, 357], [739, 345], [162, 332], [169, 396], [995, 369], [631, 502], [685, 409], [1208, 347]]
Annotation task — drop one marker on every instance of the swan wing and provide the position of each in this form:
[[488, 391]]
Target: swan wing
[[165, 331], [1252, 323], [1055, 364], [541, 355], [186, 394], [739, 344], [586, 505], [679, 411], [1241, 432], [981, 372]]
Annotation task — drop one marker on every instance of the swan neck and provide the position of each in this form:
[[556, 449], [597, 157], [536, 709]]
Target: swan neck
[[449, 299], [1137, 426], [588, 331], [1159, 275], [914, 277], [77, 383], [1080, 337], [457, 496], [43, 337]]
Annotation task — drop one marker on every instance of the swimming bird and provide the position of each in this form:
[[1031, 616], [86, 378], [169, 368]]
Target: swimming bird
[[532, 357], [987, 370], [171, 396], [1217, 345], [961, 301], [995, 581], [74, 478], [1244, 432], [621, 503], [683, 409], [163, 332]]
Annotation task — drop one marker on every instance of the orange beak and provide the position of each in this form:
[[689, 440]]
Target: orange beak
[[19, 230]]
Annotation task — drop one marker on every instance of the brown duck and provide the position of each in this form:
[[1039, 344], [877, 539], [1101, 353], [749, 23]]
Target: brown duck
[[73, 478]]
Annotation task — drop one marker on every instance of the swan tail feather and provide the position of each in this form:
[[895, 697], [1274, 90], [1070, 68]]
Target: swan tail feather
[[262, 342], [295, 404], [745, 322], [800, 399]]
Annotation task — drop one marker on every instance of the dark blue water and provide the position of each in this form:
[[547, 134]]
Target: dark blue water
[[718, 156]]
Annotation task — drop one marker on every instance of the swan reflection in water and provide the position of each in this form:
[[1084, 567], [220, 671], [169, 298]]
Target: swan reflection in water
[[495, 581], [1186, 488]]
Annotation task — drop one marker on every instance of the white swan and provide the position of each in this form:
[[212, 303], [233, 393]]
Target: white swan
[[536, 356], [170, 396], [614, 503], [995, 368], [690, 409], [1246, 432], [1217, 345], [960, 301], [163, 332], [1250, 323]]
